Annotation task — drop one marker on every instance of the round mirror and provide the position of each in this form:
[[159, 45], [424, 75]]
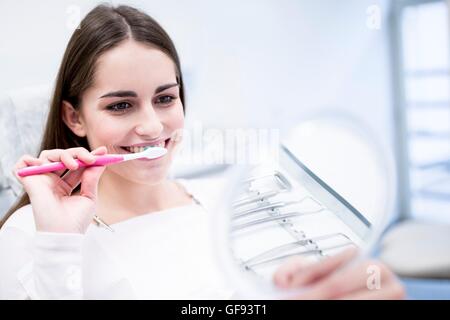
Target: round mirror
[[331, 187]]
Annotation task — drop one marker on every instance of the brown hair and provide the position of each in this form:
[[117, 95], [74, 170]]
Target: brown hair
[[103, 28]]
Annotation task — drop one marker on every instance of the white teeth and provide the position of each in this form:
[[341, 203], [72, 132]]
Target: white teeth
[[140, 149], [161, 144]]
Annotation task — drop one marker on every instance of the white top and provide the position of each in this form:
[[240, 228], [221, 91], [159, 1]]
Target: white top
[[161, 255]]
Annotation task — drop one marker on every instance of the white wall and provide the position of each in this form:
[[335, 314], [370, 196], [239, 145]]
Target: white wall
[[270, 60]]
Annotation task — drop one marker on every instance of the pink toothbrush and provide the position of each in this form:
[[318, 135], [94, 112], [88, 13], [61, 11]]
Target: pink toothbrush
[[150, 153]]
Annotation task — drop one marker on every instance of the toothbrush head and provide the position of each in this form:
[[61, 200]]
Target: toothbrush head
[[149, 153], [153, 152]]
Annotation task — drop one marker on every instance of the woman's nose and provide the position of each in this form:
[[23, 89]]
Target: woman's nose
[[149, 123]]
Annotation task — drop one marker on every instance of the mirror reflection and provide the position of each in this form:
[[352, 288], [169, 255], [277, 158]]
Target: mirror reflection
[[290, 209]]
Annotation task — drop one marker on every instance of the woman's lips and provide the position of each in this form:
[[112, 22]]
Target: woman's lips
[[135, 149]]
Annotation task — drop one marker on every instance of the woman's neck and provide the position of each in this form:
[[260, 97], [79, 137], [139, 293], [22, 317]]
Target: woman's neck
[[120, 199]]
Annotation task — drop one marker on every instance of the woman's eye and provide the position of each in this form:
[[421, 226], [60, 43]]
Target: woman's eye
[[119, 107], [165, 100]]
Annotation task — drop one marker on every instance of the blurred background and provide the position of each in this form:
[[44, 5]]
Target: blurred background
[[384, 62]]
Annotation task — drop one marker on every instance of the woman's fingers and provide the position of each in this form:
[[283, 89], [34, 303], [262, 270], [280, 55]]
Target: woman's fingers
[[89, 181], [73, 178], [338, 282], [23, 162], [299, 272], [324, 268], [336, 278], [291, 269], [91, 176], [99, 151], [56, 155], [366, 277], [67, 157], [82, 154], [68, 160]]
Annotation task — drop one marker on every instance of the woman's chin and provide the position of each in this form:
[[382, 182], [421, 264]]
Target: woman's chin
[[142, 172], [151, 176]]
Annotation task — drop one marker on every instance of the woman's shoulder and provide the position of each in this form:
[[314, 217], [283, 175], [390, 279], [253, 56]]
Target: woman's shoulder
[[21, 219]]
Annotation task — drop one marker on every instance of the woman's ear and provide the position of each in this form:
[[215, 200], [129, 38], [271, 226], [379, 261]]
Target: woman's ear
[[73, 119]]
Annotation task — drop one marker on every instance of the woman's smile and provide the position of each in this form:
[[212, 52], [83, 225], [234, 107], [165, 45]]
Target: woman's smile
[[139, 147]]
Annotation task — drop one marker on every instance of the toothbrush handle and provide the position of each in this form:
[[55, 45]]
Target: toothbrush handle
[[55, 166]]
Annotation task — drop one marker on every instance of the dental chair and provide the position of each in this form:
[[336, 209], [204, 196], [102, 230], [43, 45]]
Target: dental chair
[[22, 117]]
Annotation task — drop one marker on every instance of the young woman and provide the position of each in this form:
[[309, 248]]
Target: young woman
[[118, 90]]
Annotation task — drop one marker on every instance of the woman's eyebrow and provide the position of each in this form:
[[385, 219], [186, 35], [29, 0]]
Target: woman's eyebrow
[[165, 87], [120, 94], [129, 93]]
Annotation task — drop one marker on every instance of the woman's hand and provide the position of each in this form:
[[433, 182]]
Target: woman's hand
[[333, 279], [55, 208]]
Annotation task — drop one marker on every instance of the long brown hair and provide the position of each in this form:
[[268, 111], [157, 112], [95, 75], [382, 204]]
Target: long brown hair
[[103, 28]]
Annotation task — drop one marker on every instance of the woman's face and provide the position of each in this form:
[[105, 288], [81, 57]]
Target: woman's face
[[134, 102]]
